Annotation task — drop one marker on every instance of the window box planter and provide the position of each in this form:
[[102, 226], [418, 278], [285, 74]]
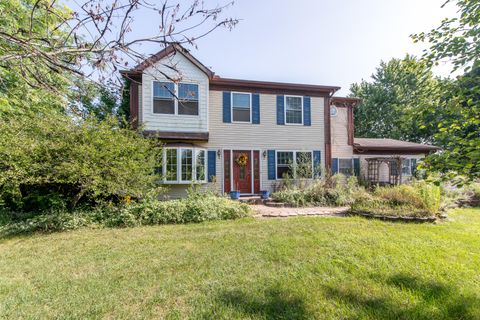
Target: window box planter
[[264, 194], [234, 195]]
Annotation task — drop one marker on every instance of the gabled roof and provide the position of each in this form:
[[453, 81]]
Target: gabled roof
[[362, 145], [218, 83], [171, 49]]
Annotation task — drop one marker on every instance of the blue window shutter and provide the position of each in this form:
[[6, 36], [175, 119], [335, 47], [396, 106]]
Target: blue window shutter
[[356, 166], [212, 165], [255, 108], [306, 112], [280, 110], [413, 164], [227, 110], [317, 161], [334, 165], [271, 164]]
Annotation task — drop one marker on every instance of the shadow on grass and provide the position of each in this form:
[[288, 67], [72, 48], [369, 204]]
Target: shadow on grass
[[274, 304], [431, 300]]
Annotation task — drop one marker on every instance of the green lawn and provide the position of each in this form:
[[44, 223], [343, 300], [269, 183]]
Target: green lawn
[[296, 268]]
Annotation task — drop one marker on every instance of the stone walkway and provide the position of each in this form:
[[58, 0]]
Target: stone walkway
[[262, 211]]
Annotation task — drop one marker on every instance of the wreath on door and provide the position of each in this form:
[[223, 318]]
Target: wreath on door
[[242, 159]]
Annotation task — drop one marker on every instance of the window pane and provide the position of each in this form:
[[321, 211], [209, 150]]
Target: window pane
[[187, 164], [188, 107], [285, 158], [200, 165], [187, 91], [293, 110], [345, 166], [294, 116], [242, 115], [163, 89], [284, 164], [406, 169], [163, 106], [171, 165], [241, 100], [304, 165], [284, 171]]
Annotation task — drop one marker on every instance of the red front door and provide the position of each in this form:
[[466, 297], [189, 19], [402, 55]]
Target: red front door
[[242, 171]]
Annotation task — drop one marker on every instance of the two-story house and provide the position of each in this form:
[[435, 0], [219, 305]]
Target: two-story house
[[248, 135]]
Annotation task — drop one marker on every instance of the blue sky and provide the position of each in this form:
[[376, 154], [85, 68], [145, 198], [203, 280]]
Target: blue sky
[[306, 41]]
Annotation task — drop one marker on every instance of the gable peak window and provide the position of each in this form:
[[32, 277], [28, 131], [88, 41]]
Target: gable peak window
[[175, 98], [293, 110], [241, 107]]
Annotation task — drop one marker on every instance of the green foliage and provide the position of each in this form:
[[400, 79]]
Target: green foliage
[[401, 89], [50, 158], [419, 199], [456, 39], [27, 85], [197, 207], [332, 191], [459, 129]]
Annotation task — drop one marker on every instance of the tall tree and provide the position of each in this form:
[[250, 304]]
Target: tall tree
[[395, 102], [457, 41]]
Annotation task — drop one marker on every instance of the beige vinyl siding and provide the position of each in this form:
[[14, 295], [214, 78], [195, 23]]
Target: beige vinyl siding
[[264, 136], [339, 133], [187, 72]]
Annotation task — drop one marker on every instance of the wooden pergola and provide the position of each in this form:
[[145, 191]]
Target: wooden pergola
[[394, 169]]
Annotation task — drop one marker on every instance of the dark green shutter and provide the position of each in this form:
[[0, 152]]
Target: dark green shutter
[[212, 165], [280, 110], [227, 110], [271, 164]]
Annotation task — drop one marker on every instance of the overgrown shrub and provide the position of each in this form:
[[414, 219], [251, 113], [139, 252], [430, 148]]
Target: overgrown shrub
[[197, 207], [53, 161], [417, 199], [337, 190]]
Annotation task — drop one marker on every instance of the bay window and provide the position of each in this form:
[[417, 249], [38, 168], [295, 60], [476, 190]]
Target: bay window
[[183, 165], [175, 98]]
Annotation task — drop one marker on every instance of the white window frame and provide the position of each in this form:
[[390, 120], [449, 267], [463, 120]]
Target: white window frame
[[295, 163], [285, 110], [352, 168], [175, 99], [179, 180], [231, 107]]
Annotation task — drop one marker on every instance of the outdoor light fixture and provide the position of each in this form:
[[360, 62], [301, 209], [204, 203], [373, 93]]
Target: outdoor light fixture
[[219, 153], [264, 153]]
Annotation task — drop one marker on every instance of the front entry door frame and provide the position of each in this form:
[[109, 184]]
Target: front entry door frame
[[252, 169]]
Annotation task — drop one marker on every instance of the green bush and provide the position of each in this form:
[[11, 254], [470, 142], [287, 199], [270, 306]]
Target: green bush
[[418, 199], [193, 209], [337, 190], [55, 161]]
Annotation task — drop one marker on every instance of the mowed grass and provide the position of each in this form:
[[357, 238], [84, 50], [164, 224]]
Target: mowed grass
[[296, 268]]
